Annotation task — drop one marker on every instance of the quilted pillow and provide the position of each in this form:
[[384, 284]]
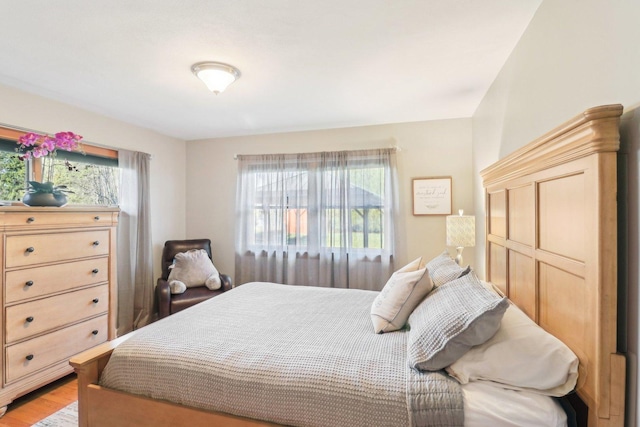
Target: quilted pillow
[[453, 318], [443, 269], [401, 294], [193, 268], [521, 356]]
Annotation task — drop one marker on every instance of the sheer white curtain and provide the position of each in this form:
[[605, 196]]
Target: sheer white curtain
[[135, 260], [322, 219]]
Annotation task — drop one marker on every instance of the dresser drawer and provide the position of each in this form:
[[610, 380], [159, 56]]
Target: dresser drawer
[[31, 249], [30, 318], [34, 219], [39, 281], [38, 353]]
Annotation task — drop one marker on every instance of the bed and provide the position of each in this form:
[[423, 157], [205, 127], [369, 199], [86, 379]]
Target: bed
[[539, 202]]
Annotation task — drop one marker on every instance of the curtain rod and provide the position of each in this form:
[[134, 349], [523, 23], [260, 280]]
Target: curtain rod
[[394, 147]]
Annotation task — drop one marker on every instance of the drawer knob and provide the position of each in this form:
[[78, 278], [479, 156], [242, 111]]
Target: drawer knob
[[96, 243], [30, 220], [96, 300], [29, 357], [97, 218], [29, 319], [95, 271], [29, 283], [31, 249], [94, 332]]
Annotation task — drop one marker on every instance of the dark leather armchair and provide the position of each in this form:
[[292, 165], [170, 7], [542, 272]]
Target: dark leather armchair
[[170, 304]]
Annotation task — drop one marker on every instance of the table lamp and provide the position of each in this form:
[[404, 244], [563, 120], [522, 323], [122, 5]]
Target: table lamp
[[461, 232]]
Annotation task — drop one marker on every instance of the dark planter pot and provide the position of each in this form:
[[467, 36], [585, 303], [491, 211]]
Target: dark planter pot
[[44, 199]]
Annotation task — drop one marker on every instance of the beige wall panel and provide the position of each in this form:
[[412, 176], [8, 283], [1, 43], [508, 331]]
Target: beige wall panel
[[562, 212], [522, 287], [521, 215], [497, 214], [425, 149]]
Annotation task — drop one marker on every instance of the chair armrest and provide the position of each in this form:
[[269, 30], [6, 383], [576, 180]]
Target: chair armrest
[[227, 284], [163, 295]]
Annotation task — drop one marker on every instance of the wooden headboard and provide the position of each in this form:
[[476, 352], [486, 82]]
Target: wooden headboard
[[551, 246]]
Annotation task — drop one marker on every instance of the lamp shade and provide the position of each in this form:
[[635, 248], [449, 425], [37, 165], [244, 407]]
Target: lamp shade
[[461, 230], [216, 75]]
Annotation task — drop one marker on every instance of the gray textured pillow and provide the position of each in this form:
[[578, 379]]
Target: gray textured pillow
[[443, 269], [453, 318]]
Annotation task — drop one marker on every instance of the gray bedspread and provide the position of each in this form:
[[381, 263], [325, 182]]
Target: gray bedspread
[[300, 356]]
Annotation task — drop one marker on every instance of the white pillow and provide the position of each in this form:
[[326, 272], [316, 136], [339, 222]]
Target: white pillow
[[520, 356], [488, 404], [193, 268], [401, 294]]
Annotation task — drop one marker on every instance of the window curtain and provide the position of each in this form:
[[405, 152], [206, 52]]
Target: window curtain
[[135, 265], [319, 219]]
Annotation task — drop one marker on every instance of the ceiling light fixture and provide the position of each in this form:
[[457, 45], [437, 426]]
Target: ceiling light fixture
[[216, 75]]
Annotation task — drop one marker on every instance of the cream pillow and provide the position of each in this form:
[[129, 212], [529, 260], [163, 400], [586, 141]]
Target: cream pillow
[[193, 268], [520, 356], [401, 294]]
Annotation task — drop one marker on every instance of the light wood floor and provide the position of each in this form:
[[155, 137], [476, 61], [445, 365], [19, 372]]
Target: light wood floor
[[31, 408]]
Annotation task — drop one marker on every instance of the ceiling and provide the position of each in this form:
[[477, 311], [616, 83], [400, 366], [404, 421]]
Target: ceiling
[[305, 64]]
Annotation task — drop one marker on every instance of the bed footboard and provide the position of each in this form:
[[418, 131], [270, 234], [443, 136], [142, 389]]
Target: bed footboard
[[110, 408], [88, 365]]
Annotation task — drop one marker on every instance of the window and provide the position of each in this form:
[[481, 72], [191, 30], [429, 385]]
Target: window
[[13, 172], [94, 180], [93, 177], [317, 205], [351, 219]]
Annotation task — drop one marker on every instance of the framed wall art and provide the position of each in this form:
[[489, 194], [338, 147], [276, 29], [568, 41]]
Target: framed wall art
[[432, 195]]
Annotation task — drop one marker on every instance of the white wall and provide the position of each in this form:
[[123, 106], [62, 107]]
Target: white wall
[[168, 199], [439, 148], [575, 54]]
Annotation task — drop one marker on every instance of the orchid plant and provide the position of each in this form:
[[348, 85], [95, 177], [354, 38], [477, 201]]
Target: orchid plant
[[45, 147]]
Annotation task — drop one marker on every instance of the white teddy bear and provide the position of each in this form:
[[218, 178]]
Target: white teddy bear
[[193, 268]]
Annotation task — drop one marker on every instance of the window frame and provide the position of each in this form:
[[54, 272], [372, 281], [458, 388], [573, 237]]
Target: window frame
[[286, 209], [34, 170]]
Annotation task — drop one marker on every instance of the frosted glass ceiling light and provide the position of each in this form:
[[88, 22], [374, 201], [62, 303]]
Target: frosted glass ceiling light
[[216, 75]]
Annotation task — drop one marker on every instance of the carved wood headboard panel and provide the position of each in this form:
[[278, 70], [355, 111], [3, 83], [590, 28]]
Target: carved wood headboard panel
[[551, 230]]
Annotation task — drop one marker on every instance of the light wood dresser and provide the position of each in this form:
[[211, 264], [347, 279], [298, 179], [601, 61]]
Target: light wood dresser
[[58, 291]]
